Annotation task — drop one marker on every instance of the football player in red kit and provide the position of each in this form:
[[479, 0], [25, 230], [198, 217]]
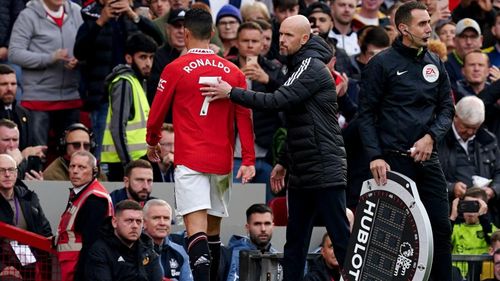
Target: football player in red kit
[[204, 140]]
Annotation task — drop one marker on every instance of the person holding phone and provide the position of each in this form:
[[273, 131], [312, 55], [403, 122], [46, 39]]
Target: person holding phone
[[469, 149], [472, 227]]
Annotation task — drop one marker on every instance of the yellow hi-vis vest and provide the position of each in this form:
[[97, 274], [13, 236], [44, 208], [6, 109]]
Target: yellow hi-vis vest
[[135, 129]]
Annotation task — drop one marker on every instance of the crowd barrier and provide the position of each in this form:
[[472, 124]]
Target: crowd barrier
[[26, 256], [256, 266]]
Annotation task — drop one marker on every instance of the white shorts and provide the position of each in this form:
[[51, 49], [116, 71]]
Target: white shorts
[[196, 191]]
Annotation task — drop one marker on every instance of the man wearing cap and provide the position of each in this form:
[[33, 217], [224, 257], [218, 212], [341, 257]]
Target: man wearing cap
[[467, 38], [172, 49], [319, 15], [228, 20]]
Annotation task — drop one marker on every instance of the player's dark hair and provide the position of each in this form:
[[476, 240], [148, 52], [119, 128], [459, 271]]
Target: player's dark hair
[[199, 23], [258, 209], [140, 42], [403, 14]]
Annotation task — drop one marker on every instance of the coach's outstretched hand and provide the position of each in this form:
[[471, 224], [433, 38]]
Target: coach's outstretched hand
[[219, 90]]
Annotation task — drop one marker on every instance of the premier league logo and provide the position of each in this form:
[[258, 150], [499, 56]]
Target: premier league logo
[[392, 236]]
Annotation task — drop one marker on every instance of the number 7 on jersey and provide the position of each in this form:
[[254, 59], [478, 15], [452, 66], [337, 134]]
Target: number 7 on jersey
[[206, 101]]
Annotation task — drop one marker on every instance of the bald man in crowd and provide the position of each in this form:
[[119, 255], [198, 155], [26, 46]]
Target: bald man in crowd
[[315, 155]]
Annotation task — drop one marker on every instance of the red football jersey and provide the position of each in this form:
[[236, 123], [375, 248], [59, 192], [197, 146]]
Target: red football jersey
[[204, 133]]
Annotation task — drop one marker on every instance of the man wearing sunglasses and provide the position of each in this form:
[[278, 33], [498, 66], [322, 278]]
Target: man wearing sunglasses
[[77, 137]]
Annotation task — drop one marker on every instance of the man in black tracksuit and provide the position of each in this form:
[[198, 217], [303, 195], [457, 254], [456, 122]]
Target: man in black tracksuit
[[315, 156], [405, 109]]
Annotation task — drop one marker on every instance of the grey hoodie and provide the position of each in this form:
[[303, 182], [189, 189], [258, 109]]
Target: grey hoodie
[[35, 37]]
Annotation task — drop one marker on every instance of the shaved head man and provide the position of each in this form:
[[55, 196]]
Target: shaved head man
[[309, 102], [294, 33]]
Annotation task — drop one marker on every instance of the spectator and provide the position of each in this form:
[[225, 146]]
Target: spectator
[[158, 8], [369, 14], [42, 43], [320, 17], [173, 258], [168, 52], [267, 36], [446, 33], [77, 137], [228, 21], [174, 5], [467, 38], [88, 206], [488, 268], [471, 237], [494, 51], [21, 208], [125, 134], [438, 11], [9, 107], [470, 150], [326, 266], [374, 39], [264, 76], [282, 10], [343, 13], [163, 171], [100, 45], [202, 183], [259, 228], [255, 11], [123, 253], [496, 262], [391, 124], [9, 144], [138, 182], [475, 72], [480, 11], [9, 10], [316, 186]]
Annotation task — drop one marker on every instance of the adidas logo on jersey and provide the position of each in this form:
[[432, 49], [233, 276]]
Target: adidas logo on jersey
[[202, 261]]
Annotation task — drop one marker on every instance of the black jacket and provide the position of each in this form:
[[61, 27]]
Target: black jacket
[[111, 260], [32, 210], [320, 272], [163, 56], [21, 117], [102, 48], [315, 154], [487, 159], [9, 10], [398, 106]]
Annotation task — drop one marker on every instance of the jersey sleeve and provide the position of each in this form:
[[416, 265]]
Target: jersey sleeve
[[161, 104], [245, 128]]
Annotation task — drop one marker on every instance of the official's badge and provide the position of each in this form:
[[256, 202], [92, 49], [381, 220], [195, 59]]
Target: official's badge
[[430, 73]]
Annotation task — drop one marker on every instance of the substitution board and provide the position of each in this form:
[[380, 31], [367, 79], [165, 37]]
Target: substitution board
[[392, 235]]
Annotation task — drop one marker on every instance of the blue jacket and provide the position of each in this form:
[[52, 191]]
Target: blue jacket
[[236, 244], [174, 261]]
